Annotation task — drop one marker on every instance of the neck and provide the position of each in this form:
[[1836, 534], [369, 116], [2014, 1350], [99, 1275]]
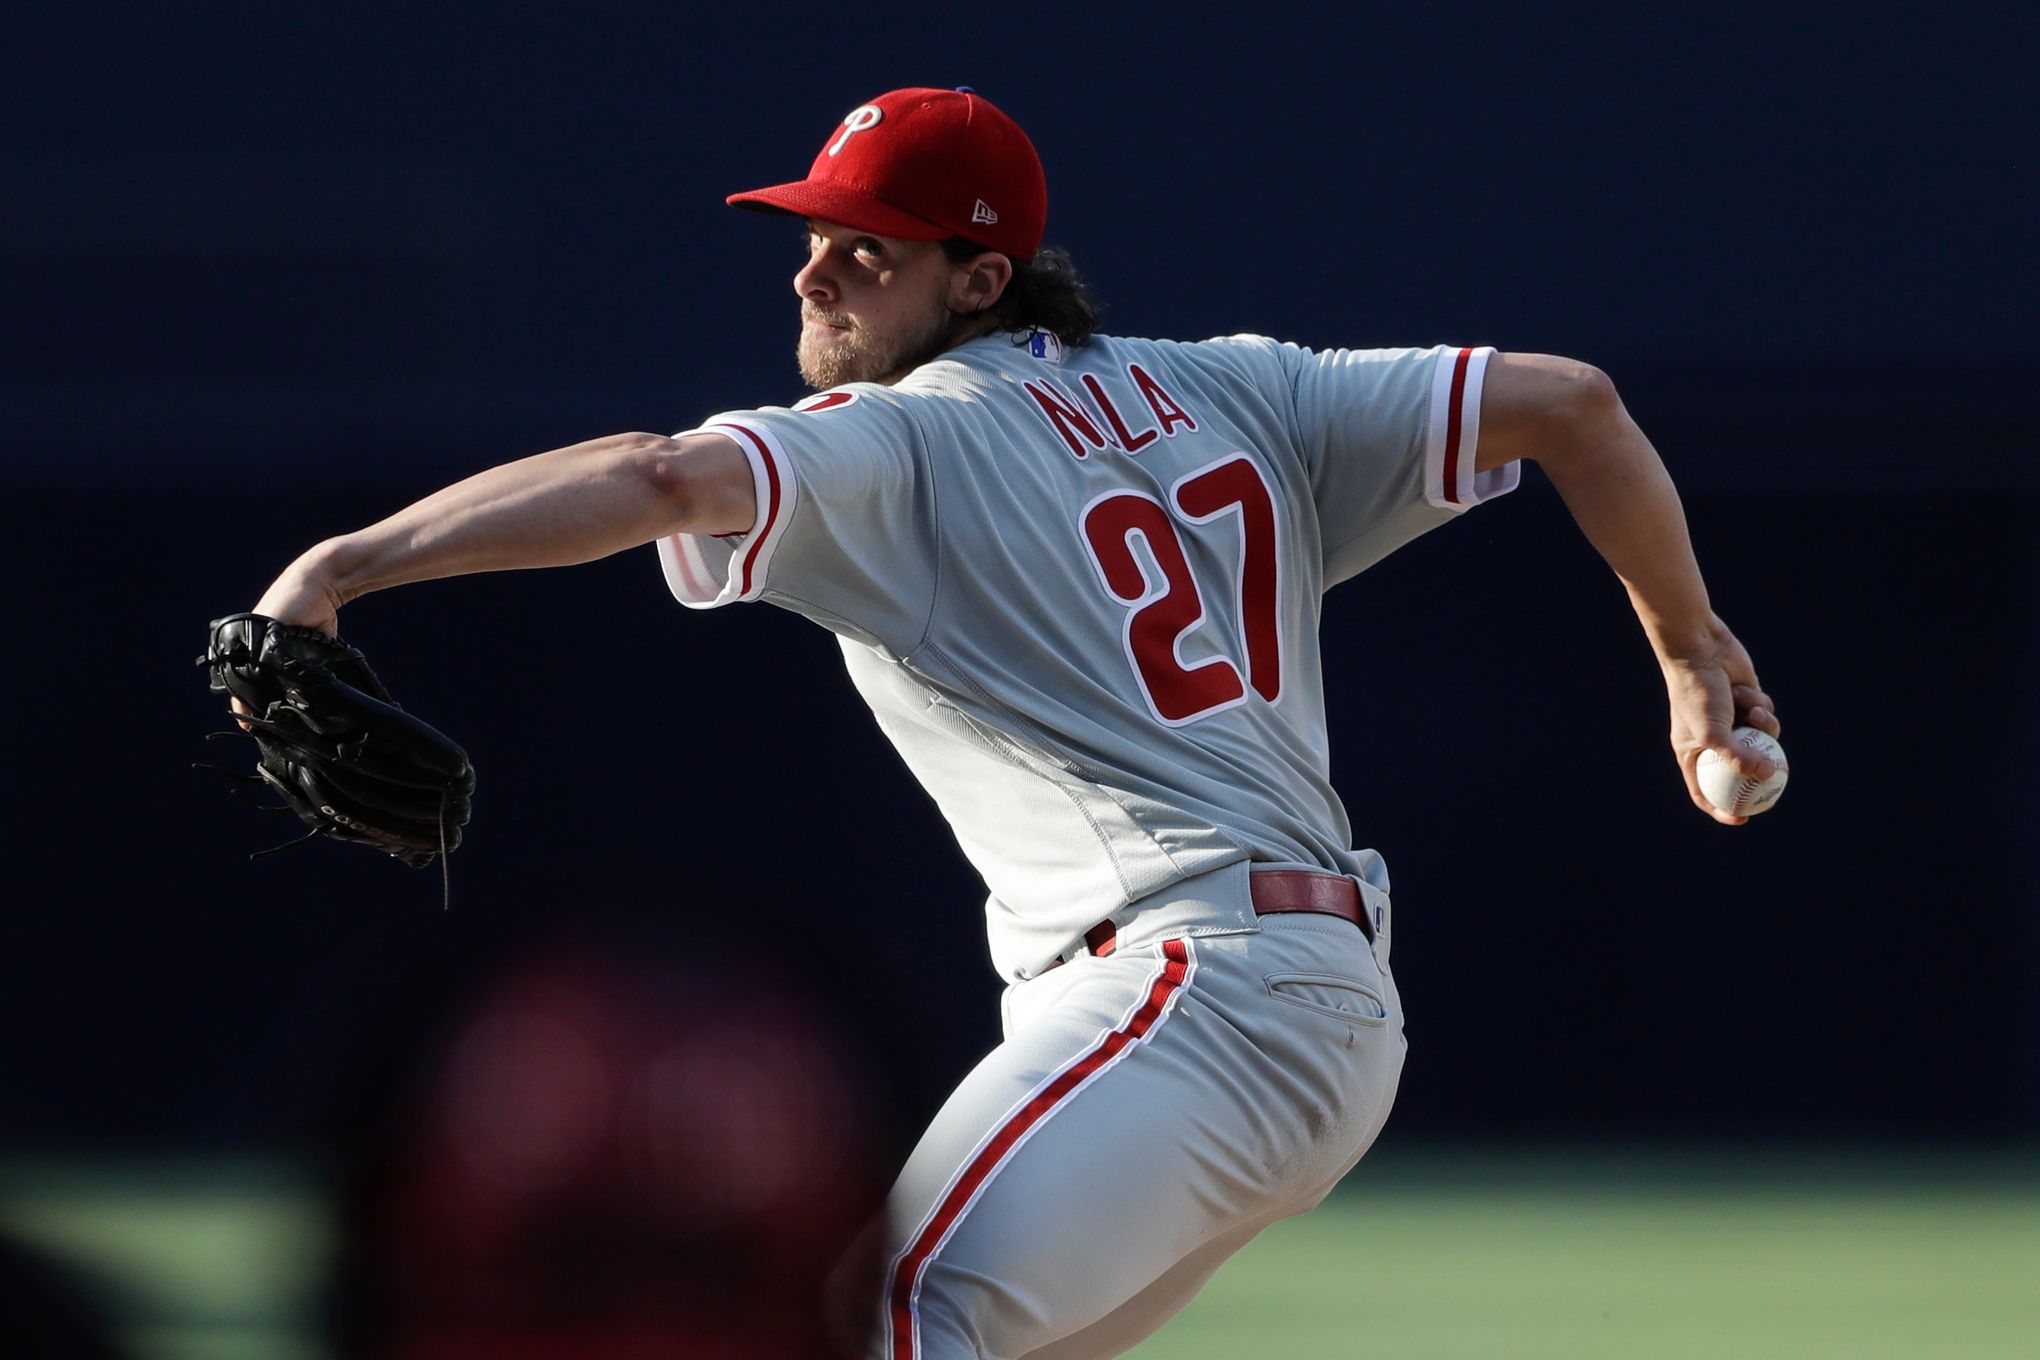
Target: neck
[[962, 330]]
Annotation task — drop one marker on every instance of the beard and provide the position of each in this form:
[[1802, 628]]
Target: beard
[[861, 354]]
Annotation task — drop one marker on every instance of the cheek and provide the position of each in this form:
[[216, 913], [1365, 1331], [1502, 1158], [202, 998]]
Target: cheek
[[881, 295]]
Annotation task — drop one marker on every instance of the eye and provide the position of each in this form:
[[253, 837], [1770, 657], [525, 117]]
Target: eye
[[867, 248]]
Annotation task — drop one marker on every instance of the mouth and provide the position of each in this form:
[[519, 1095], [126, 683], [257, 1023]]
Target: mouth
[[826, 321]]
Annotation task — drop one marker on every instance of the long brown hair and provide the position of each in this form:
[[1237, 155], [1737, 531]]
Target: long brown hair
[[1046, 293]]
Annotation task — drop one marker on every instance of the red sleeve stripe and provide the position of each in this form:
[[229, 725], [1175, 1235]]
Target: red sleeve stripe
[[698, 583], [911, 1265], [1453, 419], [768, 517]]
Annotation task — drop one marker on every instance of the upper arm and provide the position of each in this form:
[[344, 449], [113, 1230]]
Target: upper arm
[[708, 481], [1535, 405], [826, 510]]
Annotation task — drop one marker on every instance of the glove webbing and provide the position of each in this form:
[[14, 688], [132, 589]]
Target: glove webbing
[[445, 870]]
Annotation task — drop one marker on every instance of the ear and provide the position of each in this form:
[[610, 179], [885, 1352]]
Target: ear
[[977, 285]]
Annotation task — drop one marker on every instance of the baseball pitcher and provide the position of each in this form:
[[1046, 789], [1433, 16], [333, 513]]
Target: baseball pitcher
[[1077, 578]]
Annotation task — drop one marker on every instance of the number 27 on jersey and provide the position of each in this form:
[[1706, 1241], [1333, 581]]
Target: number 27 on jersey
[[1165, 603]]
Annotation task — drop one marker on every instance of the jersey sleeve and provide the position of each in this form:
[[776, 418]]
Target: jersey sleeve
[[1388, 439], [845, 527]]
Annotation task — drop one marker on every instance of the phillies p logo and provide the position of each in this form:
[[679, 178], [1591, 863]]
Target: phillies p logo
[[862, 117]]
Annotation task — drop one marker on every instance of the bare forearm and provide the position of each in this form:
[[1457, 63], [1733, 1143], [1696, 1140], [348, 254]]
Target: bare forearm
[[554, 509], [1566, 416], [1619, 493], [1623, 500]]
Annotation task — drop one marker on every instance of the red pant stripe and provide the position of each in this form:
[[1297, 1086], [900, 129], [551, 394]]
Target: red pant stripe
[[905, 1289]]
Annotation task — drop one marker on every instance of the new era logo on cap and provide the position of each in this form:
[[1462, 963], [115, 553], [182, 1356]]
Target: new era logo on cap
[[922, 165]]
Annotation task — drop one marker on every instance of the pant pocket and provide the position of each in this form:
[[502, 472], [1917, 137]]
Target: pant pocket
[[1341, 997]]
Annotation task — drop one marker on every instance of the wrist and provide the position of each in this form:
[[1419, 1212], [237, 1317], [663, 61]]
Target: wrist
[[311, 589], [333, 569], [1688, 636]]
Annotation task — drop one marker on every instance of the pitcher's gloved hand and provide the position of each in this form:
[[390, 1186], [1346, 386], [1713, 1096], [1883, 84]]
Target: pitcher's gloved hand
[[344, 757]]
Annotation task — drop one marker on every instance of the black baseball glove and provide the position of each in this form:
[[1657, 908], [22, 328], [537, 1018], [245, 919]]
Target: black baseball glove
[[343, 756]]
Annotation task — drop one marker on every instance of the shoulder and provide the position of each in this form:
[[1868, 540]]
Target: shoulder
[[1249, 367], [1245, 360], [1018, 355], [995, 369], [846, 435], [833, 413]]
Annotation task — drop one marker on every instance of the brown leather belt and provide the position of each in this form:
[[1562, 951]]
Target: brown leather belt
[[1273, 891]]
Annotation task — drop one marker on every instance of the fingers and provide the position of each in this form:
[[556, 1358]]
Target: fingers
[[1690, 768], [1754, 709], [1711, 696], [1747, 763], [1751, 765]]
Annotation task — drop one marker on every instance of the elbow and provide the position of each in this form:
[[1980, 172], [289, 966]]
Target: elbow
[[654, 462], [1545, 407], [697, 485], [1584, 396], [1577, 415]]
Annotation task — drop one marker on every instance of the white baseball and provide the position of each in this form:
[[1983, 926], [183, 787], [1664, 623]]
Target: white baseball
[[1733, 792]]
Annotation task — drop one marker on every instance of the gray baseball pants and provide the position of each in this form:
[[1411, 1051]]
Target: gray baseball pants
[[1147, 1113]]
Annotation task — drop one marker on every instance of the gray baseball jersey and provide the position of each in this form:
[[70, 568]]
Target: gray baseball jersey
[[1080, 593], [1080, 590]]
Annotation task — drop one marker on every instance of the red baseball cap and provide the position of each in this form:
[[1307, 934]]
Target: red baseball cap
[[923, 165]]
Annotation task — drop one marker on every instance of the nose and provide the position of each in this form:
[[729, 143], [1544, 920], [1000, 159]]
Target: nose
[[814, 280]]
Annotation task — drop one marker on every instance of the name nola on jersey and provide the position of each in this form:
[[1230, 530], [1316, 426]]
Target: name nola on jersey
[[1103, 423]]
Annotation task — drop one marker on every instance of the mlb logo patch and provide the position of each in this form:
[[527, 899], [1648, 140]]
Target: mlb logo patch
[[1042, 345]]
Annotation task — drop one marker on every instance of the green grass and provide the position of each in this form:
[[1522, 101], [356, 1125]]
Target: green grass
[[1442, 1274], [1489, 1256]]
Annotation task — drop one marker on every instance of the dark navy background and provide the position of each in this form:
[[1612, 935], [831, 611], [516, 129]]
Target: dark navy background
[[270, 273]]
